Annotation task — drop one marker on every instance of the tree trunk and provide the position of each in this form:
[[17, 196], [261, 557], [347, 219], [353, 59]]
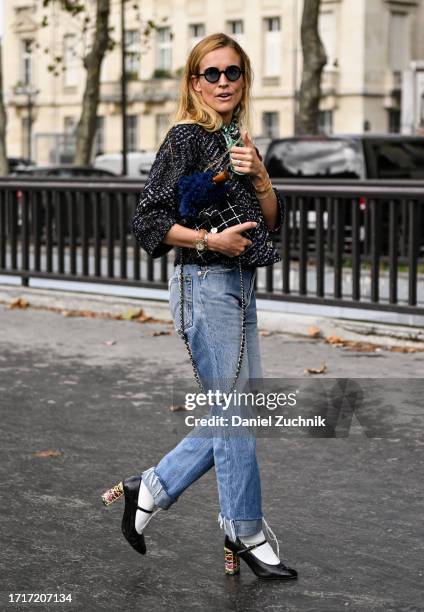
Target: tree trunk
[[314, 60], [86, 128], [4, 164]]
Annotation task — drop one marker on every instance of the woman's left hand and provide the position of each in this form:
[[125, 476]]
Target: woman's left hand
[[245, 159]]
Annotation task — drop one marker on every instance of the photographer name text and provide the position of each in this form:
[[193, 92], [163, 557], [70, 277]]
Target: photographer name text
[[273, 420]]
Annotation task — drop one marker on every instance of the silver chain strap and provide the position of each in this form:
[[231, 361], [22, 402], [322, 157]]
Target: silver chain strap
[[243, 327]]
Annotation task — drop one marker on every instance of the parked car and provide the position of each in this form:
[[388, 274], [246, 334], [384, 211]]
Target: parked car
[[18, 162], [65, 171], [347, 157], [139, 163], [354, 157], [262, 143]]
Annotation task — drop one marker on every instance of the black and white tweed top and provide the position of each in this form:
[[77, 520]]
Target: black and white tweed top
[[189, 148]]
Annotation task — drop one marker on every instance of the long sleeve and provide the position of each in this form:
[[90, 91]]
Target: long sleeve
[[281, 210], [157, 209]]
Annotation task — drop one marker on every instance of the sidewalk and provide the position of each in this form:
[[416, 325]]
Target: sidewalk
[[294, 323], [85, 401]]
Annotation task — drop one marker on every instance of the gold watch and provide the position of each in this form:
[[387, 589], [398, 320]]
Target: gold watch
[[201, 241]]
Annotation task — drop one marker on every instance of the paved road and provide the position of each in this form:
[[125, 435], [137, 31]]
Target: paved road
[[347, 511]]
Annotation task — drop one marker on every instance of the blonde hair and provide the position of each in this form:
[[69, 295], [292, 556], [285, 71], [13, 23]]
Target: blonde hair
[[191, 107]]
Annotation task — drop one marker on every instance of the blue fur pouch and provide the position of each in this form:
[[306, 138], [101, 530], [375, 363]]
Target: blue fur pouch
[[198, 191]]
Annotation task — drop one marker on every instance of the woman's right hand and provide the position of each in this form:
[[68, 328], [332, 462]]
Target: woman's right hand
[[230, 242]]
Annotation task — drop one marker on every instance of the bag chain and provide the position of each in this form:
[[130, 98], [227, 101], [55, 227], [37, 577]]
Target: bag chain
[[243, 327]]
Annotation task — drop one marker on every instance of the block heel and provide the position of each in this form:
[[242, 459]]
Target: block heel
[[231, 561], [262, 570], [111, 495]]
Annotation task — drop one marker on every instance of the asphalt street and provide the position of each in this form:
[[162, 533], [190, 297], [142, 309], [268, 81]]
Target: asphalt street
[[86, 401]]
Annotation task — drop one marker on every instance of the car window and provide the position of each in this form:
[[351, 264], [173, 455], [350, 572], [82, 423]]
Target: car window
[[315, 159], [398, 160]]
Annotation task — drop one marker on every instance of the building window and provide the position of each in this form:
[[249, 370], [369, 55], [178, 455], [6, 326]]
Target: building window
[[164, 49], [272, 47], [69, 125], [27, 67], [161, 126], [394, 120], [70, 60], [132, 133], [235, 27], [132, 53], [325, 122], [196, 32], [327, 31], [69, 139], [271, 124], [99, 139], [399, 41]]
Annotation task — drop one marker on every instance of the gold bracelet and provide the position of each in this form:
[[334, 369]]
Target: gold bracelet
[[263, 189], [261, 195], [196, 238], [266, 181]]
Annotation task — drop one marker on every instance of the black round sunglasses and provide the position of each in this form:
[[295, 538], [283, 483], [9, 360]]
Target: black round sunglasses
[[212, 75]]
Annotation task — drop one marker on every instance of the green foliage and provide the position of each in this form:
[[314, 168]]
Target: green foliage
[[132, 75], [160, 73], [70, 6]]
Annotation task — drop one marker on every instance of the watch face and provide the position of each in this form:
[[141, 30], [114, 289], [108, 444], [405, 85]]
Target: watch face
[[200, 246]]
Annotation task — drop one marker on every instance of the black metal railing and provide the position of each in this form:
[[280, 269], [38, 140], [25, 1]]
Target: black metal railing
[[356, 244]]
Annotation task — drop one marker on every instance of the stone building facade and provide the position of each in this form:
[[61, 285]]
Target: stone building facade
[[368, 44]]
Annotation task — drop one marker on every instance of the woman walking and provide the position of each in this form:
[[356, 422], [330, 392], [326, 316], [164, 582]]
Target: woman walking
[[211, 293]]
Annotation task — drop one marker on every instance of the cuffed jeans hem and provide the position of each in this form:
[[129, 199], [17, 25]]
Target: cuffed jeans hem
[[234, 528], [156, 488]]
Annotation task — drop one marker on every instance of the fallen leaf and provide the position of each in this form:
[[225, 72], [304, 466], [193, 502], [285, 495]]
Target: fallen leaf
[[138, 315], [48, 453], [109, 342], [86, 313], [352, 345], [320, 370], [335, 340], [314, 332], [132, 313], [265, 333], [145, 319], [161, 333], [368, 347], [361, 347], [19, 303], [173, 408], [74, 313], [405, 349]]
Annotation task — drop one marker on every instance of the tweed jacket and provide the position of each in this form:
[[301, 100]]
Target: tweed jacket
[[189, 148]]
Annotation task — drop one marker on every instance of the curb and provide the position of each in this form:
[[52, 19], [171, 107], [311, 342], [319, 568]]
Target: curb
[[268, 320]]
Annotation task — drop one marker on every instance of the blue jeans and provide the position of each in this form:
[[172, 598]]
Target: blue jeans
[[212, 315]]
